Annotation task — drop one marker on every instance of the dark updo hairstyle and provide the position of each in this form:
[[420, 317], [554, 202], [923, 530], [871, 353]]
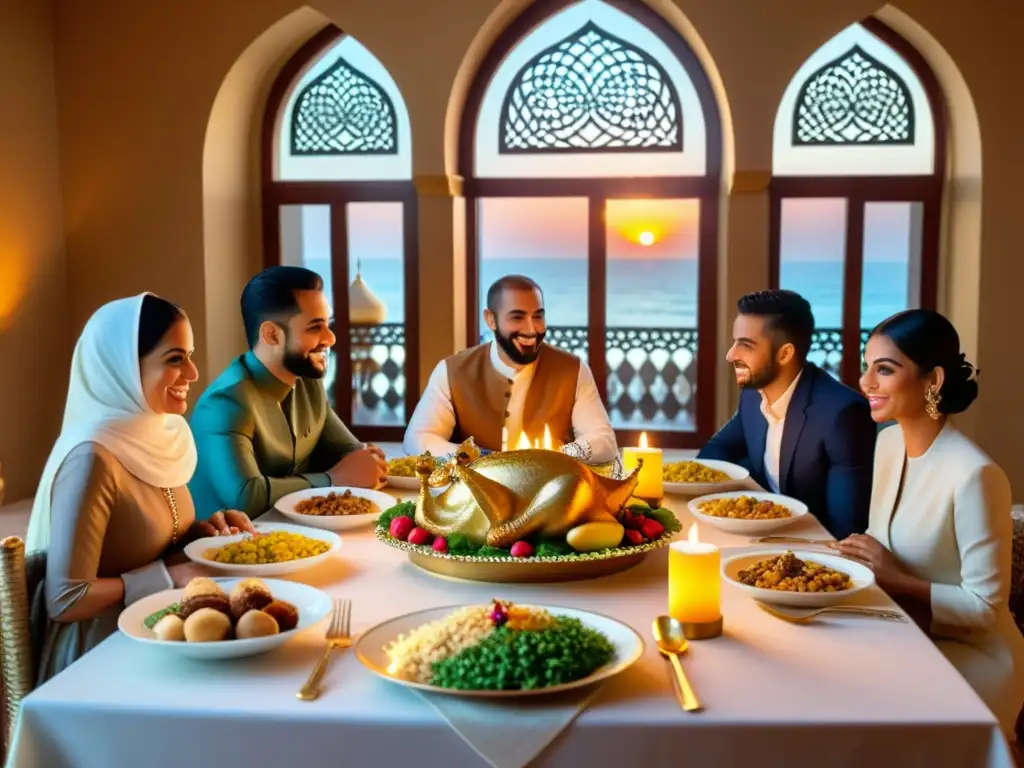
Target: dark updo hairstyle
[[155, 319], [931, 341]]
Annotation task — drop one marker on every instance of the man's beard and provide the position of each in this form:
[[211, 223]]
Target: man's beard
[[301, 365], [762, 378], [508, 344]]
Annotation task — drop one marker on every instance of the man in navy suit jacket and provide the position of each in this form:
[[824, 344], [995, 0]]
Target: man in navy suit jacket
[[799, 431]]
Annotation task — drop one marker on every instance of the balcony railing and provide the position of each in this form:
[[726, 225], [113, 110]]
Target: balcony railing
[[652, 372]]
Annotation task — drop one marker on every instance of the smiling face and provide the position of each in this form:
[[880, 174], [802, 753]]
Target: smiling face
[[894, 385], [308, 336], [753, 356], [168, 371], [518, 323]]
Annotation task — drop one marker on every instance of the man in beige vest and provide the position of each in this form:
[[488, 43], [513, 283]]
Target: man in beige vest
[[512, 385]]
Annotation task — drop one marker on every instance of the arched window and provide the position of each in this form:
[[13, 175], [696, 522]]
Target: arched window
[[591, 150], [338, 198], [857, 176]]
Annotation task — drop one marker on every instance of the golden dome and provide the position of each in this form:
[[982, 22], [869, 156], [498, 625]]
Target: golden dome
[[363, 307]]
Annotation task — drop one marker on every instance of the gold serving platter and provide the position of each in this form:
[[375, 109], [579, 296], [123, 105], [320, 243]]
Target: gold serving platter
[[508, 570]]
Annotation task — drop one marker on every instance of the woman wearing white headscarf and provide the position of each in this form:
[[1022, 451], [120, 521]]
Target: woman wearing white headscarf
[[112, 501]]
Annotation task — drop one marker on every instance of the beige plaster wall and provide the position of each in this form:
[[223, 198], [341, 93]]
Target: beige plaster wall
[[34, 346], [138, 82]]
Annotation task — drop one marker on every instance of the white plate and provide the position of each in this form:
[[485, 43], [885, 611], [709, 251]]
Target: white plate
[[404, 483], [749, 527], [286, 506], [736, 473], [370, 649], [195, 550], [861, 576], [312, 604]]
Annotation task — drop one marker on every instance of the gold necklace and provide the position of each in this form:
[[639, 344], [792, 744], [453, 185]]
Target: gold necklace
[[169, 496]]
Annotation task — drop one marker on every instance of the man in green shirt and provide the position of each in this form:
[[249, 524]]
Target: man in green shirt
[[264, 427]]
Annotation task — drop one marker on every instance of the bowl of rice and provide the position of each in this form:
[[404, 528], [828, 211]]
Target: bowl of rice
[[499, 649], [750, 513]]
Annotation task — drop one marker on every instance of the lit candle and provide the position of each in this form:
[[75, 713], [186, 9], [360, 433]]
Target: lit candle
[[694, 581], [523, 443], [536, 443], [649, 485], [504, 438], [547, 438]]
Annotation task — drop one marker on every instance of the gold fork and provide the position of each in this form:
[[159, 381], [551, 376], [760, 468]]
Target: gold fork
[[807, 615], [338, 637]]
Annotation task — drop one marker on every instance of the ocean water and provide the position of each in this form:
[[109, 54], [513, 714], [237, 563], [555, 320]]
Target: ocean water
[[654, 293]]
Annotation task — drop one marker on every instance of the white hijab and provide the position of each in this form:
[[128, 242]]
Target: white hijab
[[106, 405]]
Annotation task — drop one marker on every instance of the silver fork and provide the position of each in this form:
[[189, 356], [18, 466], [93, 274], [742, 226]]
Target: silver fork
[[338, 637]]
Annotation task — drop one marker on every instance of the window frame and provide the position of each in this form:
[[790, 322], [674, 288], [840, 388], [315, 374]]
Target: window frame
[[858, 191], [598, 191], [337, 195]]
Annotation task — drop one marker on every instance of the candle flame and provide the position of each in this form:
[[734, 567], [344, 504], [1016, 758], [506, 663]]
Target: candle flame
[[643, 440], [523, 443], [504, 438], [536, 443], [547, 438], [692, 535]]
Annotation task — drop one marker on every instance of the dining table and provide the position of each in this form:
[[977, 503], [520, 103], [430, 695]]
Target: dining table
[[841, 691]]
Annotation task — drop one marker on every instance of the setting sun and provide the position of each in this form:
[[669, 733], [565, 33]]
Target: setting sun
[[646, 238]]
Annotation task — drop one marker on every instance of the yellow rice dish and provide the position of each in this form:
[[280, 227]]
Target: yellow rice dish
[[745, 508], [404, 466], [692, 472], [263, 549]]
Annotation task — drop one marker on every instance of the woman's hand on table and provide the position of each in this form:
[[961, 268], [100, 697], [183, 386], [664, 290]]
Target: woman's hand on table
[[224, 523], [867, 550]]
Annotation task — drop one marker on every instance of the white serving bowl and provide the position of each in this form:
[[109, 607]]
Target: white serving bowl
[[749, 527], [737, 475], [861, 576], [195, 550], [381, 501], [312, 604], [404, 483]]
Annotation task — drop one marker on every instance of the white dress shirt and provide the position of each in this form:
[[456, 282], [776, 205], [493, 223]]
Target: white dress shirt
[[433, 421], [775, 415]]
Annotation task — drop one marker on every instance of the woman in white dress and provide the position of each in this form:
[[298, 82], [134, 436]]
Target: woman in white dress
[[940, 535]]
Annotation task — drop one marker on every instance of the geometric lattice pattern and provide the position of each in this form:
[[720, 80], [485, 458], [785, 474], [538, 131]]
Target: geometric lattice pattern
[[827, 349], [343, 112], [591, 92], [854, 99], [378, 373]]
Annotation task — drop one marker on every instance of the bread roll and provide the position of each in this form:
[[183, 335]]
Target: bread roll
[[207, 626], [255, 624], [170, 629]]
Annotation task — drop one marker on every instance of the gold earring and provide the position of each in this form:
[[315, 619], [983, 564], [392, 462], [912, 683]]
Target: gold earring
[[932, 398]]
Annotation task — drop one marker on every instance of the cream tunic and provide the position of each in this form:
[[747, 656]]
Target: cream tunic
[[949, 524]]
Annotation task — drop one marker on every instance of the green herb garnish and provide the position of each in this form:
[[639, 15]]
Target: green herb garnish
[[510, 659], [553, 548], [153, 618]]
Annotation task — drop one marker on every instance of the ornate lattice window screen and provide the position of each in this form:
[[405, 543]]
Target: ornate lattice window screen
[[591, 92], [343, 112], [854, 108], [344, 119], [854, 99], [573, 100]]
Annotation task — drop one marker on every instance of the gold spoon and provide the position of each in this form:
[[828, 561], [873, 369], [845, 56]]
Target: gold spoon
[[668, 633]]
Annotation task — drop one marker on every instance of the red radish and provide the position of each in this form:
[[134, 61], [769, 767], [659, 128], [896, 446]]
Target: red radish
[[440, 545], [628, 520], [521, 549], [639, 521], [634, 536], [652, 529], [418, 536], [400, 528]]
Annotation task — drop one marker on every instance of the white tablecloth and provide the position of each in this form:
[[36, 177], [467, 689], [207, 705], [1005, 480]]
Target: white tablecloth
[[844, 692]]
